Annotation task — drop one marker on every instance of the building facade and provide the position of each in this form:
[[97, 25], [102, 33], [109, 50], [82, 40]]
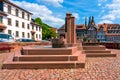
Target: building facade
[[91, 30], [95, 33], [81, 30], [101, 33], [17, 21], [111, 31], [61, 31]]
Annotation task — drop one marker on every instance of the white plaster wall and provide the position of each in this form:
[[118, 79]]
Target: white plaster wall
[[20, 19]]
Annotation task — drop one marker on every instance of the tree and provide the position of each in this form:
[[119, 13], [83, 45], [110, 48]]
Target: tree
[[38, 20], [47, 31]]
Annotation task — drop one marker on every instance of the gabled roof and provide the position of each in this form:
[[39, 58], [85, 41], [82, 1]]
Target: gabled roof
[[110, 26], [80, 26], [34, 23], [62, 27], [104, 27], [92, 25]]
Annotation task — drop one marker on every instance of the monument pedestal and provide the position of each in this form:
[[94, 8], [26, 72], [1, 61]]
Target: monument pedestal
[[58, 43]]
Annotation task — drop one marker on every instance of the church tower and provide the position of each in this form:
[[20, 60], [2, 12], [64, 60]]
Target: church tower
[[92, 29]]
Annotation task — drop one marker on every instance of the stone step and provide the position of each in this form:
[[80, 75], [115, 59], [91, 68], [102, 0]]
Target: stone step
[[49, 51], [100, 55], [46, 58], [96, 51], [16, 64], [94, 48], [44, 65]]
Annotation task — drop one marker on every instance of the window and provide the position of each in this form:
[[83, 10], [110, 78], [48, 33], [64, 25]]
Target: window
[[39, 36], [23, 34], [17, 23], [32, 27], [117, 31], [17, 34], [9, 9], [16, 12], [36, 35], [28, 16], [0, 19], [1, 30], [119, 27], [23, 25], [1, 6], [36, 28], [101, 28], [9, 32], [28, 35], [9, 21], [28, 26], [108, 28], [39, 28], [23, 14], [112, 27]]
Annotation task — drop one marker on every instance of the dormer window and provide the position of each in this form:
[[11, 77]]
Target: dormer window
[[101, 28]]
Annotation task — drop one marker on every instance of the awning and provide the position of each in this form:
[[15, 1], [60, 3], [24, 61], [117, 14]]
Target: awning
[[2, 26], [32, 32]]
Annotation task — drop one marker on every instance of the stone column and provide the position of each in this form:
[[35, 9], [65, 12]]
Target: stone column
[[73, 30], [68, 27]]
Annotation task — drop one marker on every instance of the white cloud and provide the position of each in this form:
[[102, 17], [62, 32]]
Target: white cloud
[[56, 3], [41, 11], [113, 11], [99, 4], [105, 21], [109, 17], [76, 15]]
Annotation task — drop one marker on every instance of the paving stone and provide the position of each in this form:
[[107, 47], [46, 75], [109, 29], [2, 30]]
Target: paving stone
[[101, 68]]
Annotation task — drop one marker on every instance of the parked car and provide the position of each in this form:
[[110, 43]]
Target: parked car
[[6, 38], [46, 42], [25, 40]]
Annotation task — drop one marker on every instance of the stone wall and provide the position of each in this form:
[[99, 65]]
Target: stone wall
[[107, 45], [18, 45]]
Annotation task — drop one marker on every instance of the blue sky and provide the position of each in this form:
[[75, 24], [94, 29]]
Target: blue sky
[[53, 12]]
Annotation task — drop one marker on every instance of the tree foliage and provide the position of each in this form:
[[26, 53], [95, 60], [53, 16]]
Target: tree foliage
[[47, 31]]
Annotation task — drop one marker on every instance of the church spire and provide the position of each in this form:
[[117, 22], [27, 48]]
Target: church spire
[[92, 20], [89, 21], [85, 22]]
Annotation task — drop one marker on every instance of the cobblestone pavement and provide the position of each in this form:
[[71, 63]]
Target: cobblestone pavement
[[96, 69]]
